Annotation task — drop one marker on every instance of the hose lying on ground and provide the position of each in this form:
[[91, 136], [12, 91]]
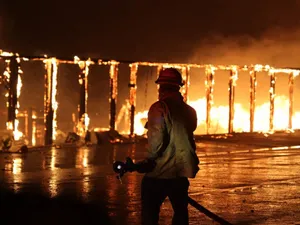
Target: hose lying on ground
[[208, 213]]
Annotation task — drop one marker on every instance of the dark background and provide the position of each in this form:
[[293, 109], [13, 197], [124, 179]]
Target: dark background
[[219, 32]]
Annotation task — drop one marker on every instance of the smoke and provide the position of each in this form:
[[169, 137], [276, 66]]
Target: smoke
[[276, 47]]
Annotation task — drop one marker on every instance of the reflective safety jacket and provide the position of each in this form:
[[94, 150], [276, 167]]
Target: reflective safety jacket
[[171, 123]]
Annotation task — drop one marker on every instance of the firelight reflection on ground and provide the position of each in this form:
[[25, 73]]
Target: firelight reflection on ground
[[243, 186]]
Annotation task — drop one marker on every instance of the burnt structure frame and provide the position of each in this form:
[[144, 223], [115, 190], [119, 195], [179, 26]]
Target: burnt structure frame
[[210, 70]]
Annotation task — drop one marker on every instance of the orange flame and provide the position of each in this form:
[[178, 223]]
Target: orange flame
[[13, 126], [83, 123], [54, 93], [219, 117]]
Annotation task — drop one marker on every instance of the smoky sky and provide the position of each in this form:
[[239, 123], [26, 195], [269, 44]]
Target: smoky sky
[[197, 31], [138, 30]]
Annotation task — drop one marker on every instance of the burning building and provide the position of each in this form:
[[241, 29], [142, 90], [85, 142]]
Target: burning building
[[276, 114]]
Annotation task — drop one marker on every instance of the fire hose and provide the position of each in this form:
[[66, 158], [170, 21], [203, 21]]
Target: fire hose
[[121, 168]]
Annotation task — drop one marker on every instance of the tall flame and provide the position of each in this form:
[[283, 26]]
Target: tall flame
[[82, 125], [13, 125], [18, 134], [219, 117]]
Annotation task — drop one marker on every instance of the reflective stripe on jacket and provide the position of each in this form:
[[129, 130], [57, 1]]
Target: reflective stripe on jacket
[[171, 123]]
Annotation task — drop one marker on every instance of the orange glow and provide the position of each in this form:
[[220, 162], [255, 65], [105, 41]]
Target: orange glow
[[219, 117], [54, 93], [53, 182], [83, 123], [113, 73], [17, 166], [123, 114], [3, 53], [205, 108], [33, 140], [18, 134], [13, 125], [34, 128], [51, 66], [138, 122]]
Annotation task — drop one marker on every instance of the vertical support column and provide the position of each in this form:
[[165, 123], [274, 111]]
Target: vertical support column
[[132, 98], [253, 84], [34, 127], [209, 85], [26, 123], [113, 73], [13, 83], [75, 122], [11, 74], [50, 103], [231, 89], [83, 119], [185, 73], [272, 99], [291, 99], [30, 125], [48, 112]]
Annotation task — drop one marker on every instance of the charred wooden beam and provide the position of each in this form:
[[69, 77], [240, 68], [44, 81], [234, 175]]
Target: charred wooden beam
[[50, 105], [132, 93], [232, 84], [12, 101], [113, 82], [185, 73], [30, 125], [253, 84], [83, 120], [272, 99], [291, 100], [209, 85]]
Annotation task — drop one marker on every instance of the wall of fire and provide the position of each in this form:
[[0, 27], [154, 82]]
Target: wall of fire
[[210, 117]]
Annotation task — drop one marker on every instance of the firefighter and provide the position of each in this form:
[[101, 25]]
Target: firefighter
[[172, 158]]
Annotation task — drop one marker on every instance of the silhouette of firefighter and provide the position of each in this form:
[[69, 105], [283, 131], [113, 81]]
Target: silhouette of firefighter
[[172, 158]]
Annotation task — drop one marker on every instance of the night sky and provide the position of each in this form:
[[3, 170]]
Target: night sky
[[137, 30], [215, 31]]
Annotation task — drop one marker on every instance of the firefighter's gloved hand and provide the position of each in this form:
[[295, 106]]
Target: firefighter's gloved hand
[[130, 166], [145, 166]]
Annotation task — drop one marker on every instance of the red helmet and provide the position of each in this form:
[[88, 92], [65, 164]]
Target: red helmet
[[169, 76]]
